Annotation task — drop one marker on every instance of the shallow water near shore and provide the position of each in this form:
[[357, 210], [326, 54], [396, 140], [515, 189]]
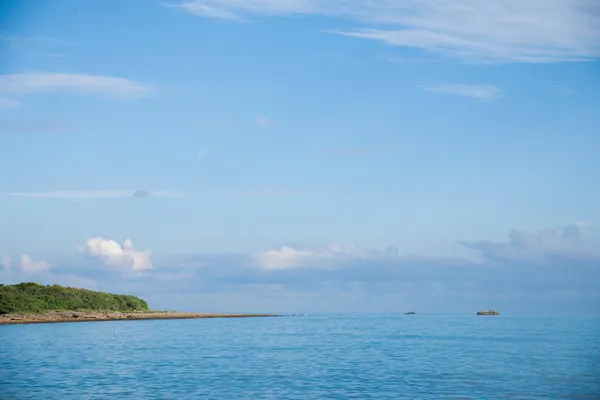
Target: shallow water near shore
[[313, 357]]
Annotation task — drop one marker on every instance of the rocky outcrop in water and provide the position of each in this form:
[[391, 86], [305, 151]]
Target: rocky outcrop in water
[[488, 312]]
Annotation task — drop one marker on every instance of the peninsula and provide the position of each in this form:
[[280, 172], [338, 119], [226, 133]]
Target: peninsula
[[29, 303]]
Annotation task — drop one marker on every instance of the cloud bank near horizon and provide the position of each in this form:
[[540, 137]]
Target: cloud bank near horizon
[[529, 271]]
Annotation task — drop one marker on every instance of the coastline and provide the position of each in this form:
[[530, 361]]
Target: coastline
[[99, 316]]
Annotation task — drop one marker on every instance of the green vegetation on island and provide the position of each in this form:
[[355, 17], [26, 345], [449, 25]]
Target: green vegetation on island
[[35, 298]]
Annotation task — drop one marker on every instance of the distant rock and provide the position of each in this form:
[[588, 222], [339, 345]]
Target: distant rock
[[488, 312], [410, 313]]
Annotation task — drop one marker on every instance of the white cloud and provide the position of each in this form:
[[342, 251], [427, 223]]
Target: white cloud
[[7, 103], [470, 30], [91, 194], [479, 92], [12, 85], [286, 257], [31, 266], [26, 264], [264, 122], [113, 254], [289, 257]]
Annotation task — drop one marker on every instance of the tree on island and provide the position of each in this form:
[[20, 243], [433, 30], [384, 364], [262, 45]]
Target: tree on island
[[31, 297]]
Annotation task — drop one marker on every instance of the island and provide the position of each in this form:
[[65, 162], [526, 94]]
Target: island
[[488, 312], [30, 302]]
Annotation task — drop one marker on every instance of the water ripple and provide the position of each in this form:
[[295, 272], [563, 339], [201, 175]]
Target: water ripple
[[317, 357]]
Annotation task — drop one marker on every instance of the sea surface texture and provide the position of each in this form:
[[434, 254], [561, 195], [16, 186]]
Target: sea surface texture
[[312, 357]]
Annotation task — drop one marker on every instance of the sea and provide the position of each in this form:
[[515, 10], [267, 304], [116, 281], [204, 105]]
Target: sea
[[305, 357]]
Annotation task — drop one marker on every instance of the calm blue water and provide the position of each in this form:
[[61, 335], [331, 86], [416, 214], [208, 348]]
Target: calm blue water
[[315, 357]]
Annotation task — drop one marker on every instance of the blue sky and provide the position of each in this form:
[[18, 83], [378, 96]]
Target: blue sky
[[304, 154]]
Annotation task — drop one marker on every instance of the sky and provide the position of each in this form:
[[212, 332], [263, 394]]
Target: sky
[[305, 155]]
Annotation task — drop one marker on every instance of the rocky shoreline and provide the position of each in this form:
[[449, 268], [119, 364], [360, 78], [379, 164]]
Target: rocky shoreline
[[98, 316]]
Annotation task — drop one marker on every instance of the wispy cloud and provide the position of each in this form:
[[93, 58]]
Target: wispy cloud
[[45, 40], [15, 85], [479, 92], [215, 124], [7, 103], [264, 122], [202, 153], [260, 192], [234, 10], [412, 60], [93, 194], [358, 151], [261, 121], [38, 46], [470, 30], [562, 89], [140, 194], [206, 10], [8, 127]]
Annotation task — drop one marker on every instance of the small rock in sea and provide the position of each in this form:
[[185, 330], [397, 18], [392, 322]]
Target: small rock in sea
[[488, 312], [410, 313]]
